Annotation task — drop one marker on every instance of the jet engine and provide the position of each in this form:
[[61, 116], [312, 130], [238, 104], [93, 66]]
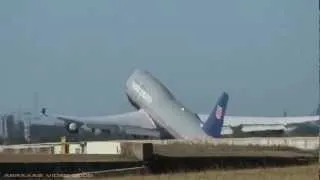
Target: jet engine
[[72, 127], [96, 131], [107, 131]]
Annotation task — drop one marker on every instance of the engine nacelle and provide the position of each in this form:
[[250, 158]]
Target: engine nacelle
[[96, 131], [72, 127]]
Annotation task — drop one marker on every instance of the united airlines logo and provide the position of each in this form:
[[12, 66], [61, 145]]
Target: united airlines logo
[[219, 112], [141, 92]]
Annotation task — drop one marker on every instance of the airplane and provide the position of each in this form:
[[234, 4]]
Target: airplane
[[158, 114], [268, 126], [135, 122]]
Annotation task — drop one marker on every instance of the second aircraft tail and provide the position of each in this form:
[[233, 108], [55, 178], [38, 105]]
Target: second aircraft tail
[[213, 125]]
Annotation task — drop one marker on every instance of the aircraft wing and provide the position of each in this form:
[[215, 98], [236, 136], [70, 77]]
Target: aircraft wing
[[139, 119]]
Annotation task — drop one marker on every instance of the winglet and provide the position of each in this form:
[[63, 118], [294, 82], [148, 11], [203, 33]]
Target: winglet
[[213, 125]]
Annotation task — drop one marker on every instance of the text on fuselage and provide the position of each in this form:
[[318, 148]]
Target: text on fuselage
[[141, 92]]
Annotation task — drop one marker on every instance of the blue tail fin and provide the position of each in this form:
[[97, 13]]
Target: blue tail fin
[[213, 125]]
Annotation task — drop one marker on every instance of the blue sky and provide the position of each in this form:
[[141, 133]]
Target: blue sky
[[78, 54]]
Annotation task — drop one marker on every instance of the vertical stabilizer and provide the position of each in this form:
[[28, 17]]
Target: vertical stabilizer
[[213, 125]]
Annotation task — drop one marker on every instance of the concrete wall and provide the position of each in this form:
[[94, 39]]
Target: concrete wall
[[307, 143]]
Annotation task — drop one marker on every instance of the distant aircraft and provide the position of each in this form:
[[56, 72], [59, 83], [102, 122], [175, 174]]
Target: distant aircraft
[[159, 114], [268, 126]]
